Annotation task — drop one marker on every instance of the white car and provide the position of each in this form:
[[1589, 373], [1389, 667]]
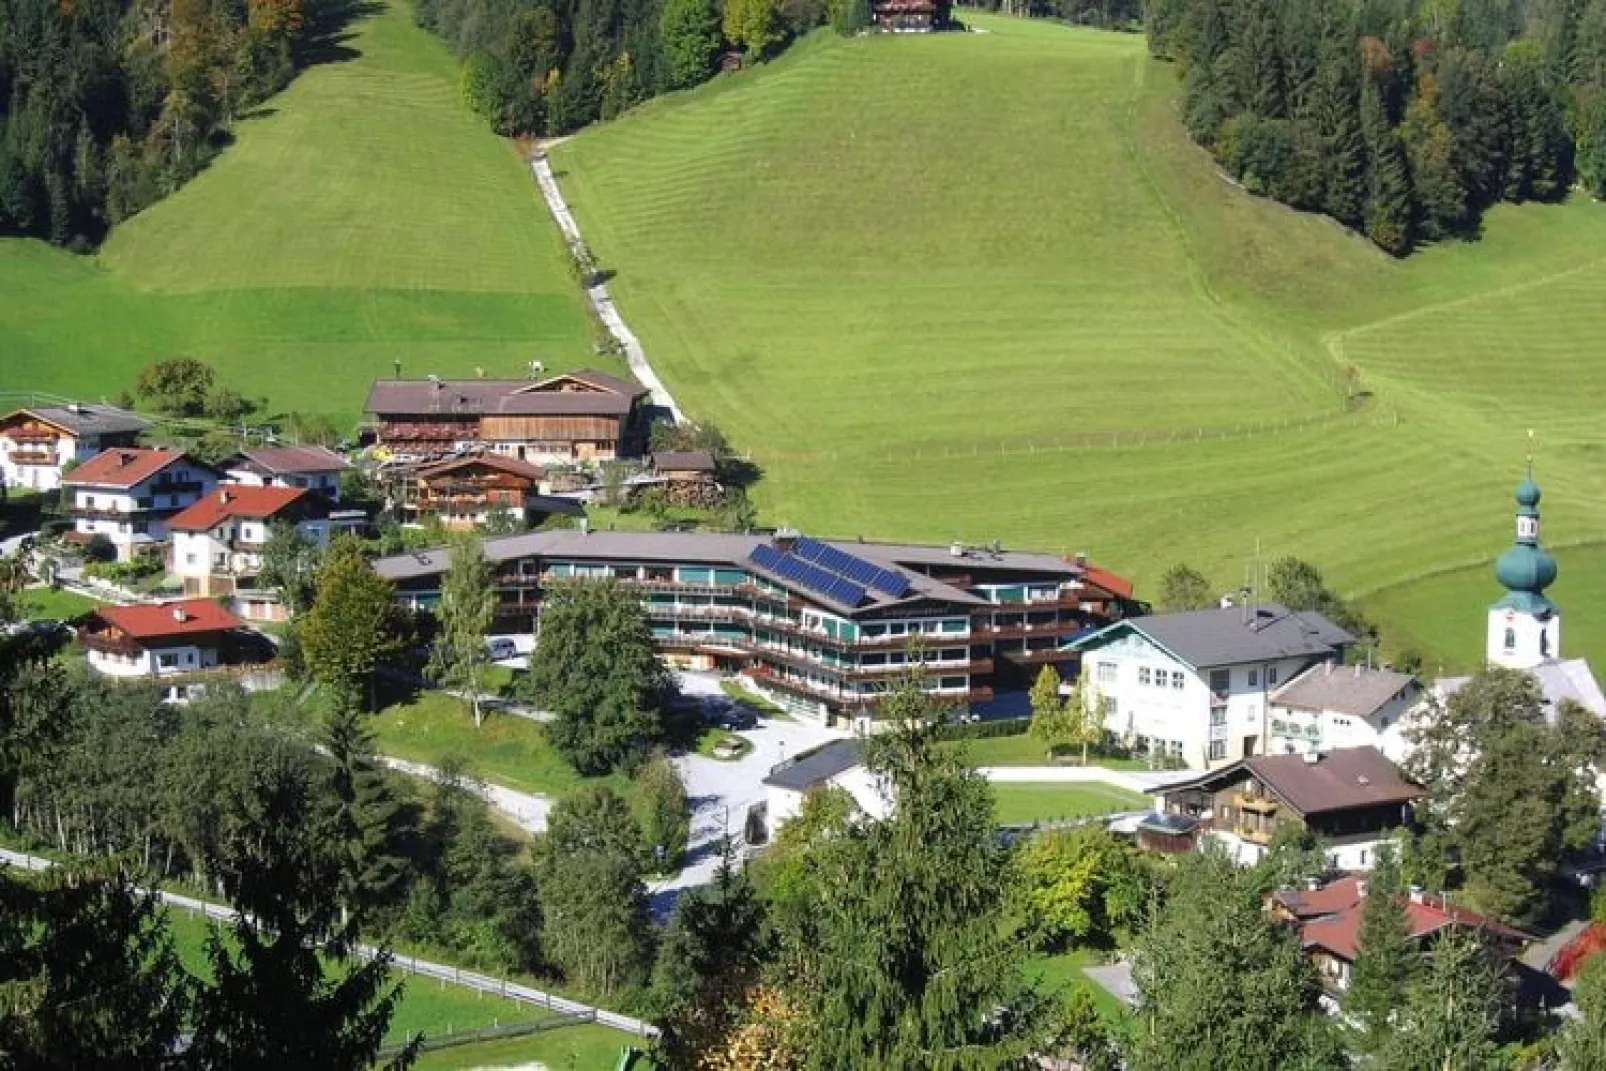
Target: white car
[[501, 648]]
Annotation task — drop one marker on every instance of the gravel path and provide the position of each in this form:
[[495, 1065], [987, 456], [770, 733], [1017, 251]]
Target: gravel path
[[527, 810]]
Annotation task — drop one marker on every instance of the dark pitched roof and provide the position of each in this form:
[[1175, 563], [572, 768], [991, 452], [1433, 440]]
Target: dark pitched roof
[[510, 465], [1332, 781], [286, 460], [1356, 690], [818, 766], [1232, 635], [504, 397], [683, 461], [89, 418]]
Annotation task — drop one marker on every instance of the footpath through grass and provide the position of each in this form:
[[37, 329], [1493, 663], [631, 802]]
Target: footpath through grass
[[978, 286], [363, 216]]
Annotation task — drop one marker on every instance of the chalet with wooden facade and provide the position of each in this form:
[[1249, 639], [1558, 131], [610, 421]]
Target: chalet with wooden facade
[[821, 627], [572, 417], [127, 495], [1328, 918], [36, 444], [907, 16], [172, 643], [1352, 798], [467, 492], [316, 468]]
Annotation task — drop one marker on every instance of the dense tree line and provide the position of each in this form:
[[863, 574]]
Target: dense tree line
[[109, 105], [1105, 14], [1403, 119], [552, 66]]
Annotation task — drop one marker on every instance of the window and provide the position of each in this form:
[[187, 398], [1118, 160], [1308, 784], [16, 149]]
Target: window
[[1106, 673], [1220, 680], [1271, 674], [1145, 676], [189, 559], [1218, 716], [1511, 639], [1254, 678], [1218, 750], [167, 661], [1178, 679]]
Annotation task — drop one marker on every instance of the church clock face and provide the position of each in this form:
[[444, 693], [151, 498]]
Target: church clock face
[[1528, 528]]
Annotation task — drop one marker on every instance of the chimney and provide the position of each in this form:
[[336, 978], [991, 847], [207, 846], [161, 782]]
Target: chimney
[[785, 539], [1360, 888], [1313, 884], [1226, 601], [1327, 668], [125, 457], [957, 549], [1081, 558], [179, 615], [585, 525], [1312, 758], [1357, 669], [1416, 894], [225, 497]]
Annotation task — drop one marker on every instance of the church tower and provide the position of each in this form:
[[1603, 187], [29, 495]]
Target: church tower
[[1524, 626]]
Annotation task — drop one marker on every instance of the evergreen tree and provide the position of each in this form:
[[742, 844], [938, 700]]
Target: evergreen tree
[[905, 960], [1387, 963], [1590, 123], [467, 608], [690, 31], [1389, 210], [1337, 115], [1540, 164], [595, 668], [1451, 1016], [1212, 927], [1430, 151], [354, 626], [366, 824]]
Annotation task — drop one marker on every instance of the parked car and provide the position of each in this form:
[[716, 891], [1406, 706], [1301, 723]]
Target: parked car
[[501, 648], [735, 717]]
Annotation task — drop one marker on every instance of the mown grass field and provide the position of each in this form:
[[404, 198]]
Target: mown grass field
[[581, 1048], [982, 286], [1020, 802], [363, 216]]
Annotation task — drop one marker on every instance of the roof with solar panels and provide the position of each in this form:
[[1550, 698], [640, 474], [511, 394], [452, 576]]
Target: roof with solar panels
[[846, 576]]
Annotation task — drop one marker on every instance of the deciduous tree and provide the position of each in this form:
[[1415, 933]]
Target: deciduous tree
[[467, 608], [595, 668], [690, 31], [1583, 1040], [290, 567], [664, 814], [179, 385], [1184, 588]]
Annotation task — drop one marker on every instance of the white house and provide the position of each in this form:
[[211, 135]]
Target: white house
[[315, 468], [1334, 706], [1196, 687], [837, 764], [127, 495], [36, 444], [218, 542], [163, 640]]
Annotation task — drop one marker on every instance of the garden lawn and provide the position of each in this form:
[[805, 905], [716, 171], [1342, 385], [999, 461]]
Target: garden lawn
[[508, 750], [583, 1048], [56, 603], [1021, 803], [427, 1005], [363, 216], [982, 286], [1062, 972]]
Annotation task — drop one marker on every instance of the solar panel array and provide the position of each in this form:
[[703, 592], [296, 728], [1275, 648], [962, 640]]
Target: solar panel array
[[808, 575], [856, 569]]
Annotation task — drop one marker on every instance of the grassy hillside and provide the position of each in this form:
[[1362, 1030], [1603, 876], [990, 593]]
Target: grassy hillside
[[978, 286], [363, 215]]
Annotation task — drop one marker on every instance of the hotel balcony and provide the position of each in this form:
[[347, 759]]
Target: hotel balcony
[[1255, 834]]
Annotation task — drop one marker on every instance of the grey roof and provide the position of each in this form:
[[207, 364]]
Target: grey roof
[[1233, 635], [929, 554], [818, 766], [1357, 690], [508, 397], [1559, 681], [1317, 783], [280, 460], [713, 548], [683, 461], [91, 418]]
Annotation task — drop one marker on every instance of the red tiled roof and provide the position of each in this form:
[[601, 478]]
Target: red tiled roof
[[122, 466], [1099, 576], [1335, 896], [182, 618], [234, 501], [1340, 934]]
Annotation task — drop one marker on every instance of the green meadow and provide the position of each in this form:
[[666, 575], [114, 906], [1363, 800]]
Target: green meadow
[[362, 216], [978, 286]]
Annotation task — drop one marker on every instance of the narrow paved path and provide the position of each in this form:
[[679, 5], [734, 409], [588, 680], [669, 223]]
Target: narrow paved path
[[482, 983], [597, 294], [526, 810]]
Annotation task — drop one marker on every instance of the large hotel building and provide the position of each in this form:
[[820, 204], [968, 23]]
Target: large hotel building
[[822, 627]]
